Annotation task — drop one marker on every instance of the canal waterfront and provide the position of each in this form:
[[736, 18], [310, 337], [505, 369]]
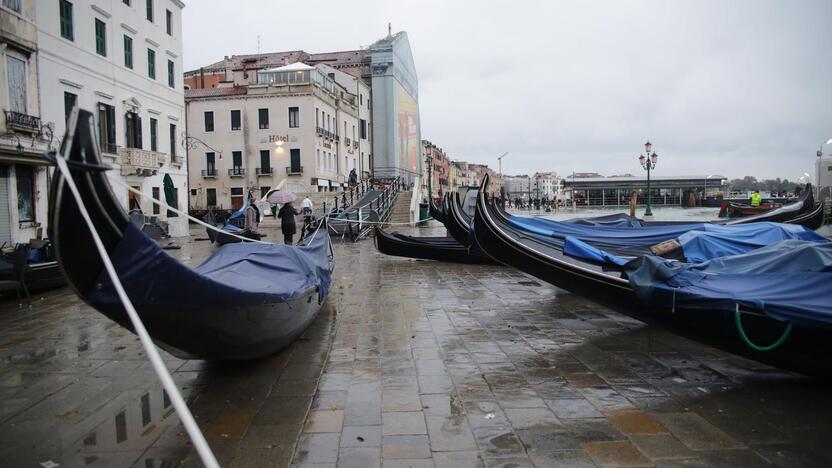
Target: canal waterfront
[[410, 363]]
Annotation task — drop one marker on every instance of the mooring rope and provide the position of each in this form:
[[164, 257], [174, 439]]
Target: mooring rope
[[186, 215], [201, 445], [756, 347]]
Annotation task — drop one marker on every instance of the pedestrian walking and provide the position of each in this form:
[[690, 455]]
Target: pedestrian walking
[[287, 215]]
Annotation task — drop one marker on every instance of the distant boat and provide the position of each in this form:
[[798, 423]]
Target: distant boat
[[246, 301]]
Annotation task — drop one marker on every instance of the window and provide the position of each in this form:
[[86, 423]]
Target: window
[[16, 75], [263, 118], [209, 121], [171, 80], [69, 103], [155, 197], [133, 125], [210, 162], [172, 142], [14, 5], [235, 120], [236, 198], [153, 135], [317, 121], [211, 197], [237, 159], [360, 99], [151, 64], [169, 22], [294, 160], [100, 38], [265, 162], [128, 51], [65, 12], [25, 192], [318, 158], [294, 119], [150, 10], [363, 125], [264, 191], [107, 127], [126, 2]]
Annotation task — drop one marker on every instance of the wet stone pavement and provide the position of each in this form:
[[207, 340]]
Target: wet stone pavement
[[410, 364]]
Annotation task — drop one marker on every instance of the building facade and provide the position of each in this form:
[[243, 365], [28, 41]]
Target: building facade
[[24, 177], [295, 127], [441, 168], [547, 185], [517, 186], [122, 61]]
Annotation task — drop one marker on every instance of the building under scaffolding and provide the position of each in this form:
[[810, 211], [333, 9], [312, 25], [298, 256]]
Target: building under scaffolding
[[664, 190]]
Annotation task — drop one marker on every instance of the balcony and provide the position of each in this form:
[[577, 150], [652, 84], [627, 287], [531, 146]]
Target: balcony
[[23, 122], [298, 170], [136, 161], [209, 173], [264, 171], [347, 142], [320, 131], [236, 172], [355, 144]]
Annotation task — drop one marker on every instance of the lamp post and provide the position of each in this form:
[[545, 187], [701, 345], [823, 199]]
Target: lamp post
[[648, 162], [429, 161], [820, 155]]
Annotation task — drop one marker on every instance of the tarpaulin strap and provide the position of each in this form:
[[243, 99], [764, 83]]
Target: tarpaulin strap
[[747, 341]]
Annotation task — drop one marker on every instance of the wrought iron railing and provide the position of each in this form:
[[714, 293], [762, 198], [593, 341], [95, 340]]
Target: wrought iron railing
[[294, 170], [263, 171], [25, 122], [209, 173], [237, 172]]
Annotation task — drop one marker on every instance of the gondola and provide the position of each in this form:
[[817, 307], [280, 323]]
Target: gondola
[[436, 212], [232, 225], [245, 301], [740, 210], [443, 249], [806, 350]]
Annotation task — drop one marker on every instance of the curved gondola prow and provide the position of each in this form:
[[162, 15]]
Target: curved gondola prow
[[74, 246], [458, 227], [436, 212]]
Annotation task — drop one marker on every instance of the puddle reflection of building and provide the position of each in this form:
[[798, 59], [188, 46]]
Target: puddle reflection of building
[[123, 427]]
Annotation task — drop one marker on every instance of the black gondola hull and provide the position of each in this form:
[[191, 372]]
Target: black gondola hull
[[807, 350], [215, 332], [443, 249]]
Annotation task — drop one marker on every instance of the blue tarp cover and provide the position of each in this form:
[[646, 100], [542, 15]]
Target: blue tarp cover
[[235, 275], [718, 241], [789, 280]]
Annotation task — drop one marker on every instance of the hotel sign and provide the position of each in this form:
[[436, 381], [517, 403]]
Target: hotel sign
[[278, 138]]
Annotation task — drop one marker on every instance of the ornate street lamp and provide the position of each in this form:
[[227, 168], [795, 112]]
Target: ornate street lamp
[[648, 162]]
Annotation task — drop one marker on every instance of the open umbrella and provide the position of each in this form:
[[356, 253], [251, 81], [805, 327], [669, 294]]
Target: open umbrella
[[281, 197], [170, 195]]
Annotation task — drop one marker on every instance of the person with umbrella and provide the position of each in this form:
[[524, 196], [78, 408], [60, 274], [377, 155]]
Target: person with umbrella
[[286, 214]]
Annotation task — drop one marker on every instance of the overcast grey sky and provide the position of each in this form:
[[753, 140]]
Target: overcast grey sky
[[719, 87]]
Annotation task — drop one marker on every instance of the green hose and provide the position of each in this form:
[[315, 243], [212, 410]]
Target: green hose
[[755, 347]]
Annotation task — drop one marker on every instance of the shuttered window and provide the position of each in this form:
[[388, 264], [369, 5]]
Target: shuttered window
[[16, 75]]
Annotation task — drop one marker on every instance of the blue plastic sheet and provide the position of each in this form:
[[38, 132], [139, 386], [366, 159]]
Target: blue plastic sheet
[[719, 241], [617, 233], [789, 280], [235, 275]]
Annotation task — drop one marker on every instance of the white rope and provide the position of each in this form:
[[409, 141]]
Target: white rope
[[159, 367], [185, 215]]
